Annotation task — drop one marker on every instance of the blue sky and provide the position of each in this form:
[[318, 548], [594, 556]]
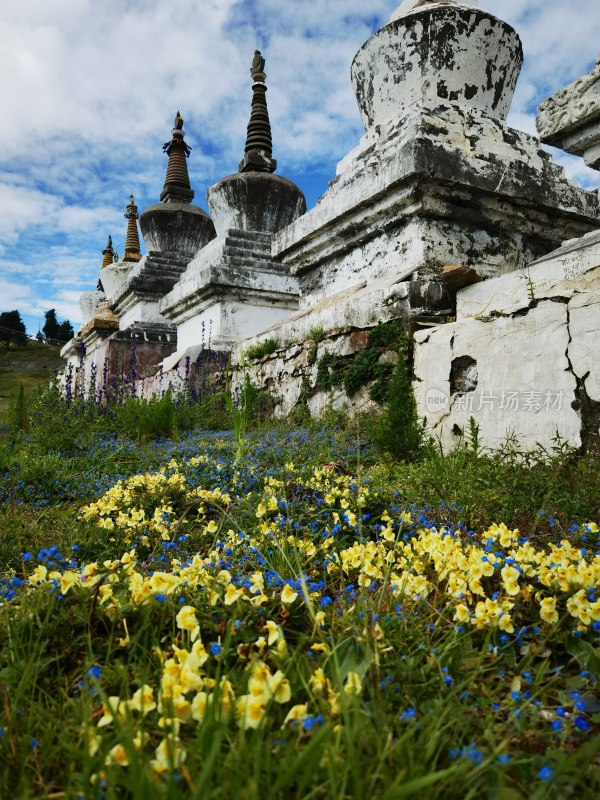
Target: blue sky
[[89, 90]]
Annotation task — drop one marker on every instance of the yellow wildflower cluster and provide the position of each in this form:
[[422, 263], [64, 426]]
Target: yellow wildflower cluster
[[153, 502]]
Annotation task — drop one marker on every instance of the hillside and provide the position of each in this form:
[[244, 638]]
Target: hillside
[[32, 363]]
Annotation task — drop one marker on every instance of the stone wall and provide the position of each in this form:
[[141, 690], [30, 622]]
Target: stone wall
[[346, 369], [522, 357]]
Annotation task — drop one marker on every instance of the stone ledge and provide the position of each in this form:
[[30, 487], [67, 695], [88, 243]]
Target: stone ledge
[[389, 180]]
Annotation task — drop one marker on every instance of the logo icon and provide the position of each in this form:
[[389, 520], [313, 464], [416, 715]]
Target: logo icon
[[436, 400]]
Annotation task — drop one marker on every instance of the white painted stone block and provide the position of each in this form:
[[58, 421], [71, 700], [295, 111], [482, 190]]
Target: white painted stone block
[[568, 270], [115, 276], [142, 311], [88, 303], [524, 382]]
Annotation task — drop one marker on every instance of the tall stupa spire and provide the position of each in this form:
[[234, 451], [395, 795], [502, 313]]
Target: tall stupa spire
[[132, 238], [258, 153], [109, 254], [177, 182]]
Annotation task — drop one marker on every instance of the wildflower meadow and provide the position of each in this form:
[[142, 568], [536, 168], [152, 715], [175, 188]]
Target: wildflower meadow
[[291, 612]]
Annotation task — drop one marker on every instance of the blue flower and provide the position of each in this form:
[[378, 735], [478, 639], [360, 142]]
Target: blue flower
[[556, 725], [410, 713], [581, 723], [312, 721], [94, 672], [215, 648], [546, 774], [503, 758]]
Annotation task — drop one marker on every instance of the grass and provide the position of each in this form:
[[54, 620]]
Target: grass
[[311, 621], [32, 364]]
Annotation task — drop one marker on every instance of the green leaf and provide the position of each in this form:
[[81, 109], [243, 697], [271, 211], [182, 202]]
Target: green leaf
[[587, 657]]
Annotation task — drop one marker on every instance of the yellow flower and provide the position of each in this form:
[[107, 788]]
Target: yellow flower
[[169, 755], [231, 594], [117, 755], [353, 685], [67, 580], [548, 610], [186, 620], [462, 613], [92, 740], [288, 595], [114, 707], [318, 681], [592, 527], [250, 711], [38, 575], [274, 633], [505, 624], [199, 705], [296, 713], [143, 700], [279, 687]]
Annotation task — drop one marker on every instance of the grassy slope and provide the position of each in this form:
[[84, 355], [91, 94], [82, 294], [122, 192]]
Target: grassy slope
[[440, 710], [32, 364]]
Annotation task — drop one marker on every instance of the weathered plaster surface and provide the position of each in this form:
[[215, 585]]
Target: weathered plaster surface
[[233, 287], [437, 53], [537, 364], [442, 187], [573, 268]]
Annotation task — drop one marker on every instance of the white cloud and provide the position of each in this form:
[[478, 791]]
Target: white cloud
[[90, 88]]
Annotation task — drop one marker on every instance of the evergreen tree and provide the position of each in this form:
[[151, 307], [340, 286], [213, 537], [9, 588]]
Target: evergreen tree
[[65, 331], [12, 327], [51, 326], [399, 431], [55, 331]]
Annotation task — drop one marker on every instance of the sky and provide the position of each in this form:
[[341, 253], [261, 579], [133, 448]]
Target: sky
[[90, 88]]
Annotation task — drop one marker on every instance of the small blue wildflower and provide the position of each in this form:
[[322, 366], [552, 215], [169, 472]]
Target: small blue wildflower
[[546, 774], [94, 672], [310, 722], [503, 758], [410, 713], [556, 725], [160, 597], [215, 648], [581, 723]]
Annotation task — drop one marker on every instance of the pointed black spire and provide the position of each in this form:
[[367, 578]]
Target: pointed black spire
[[258, 153], [177, 182]]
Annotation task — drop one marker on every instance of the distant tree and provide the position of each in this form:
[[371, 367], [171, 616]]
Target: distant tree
[[55, 331], [39, 336], [65, 331], [12, 327], [51, 327]]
